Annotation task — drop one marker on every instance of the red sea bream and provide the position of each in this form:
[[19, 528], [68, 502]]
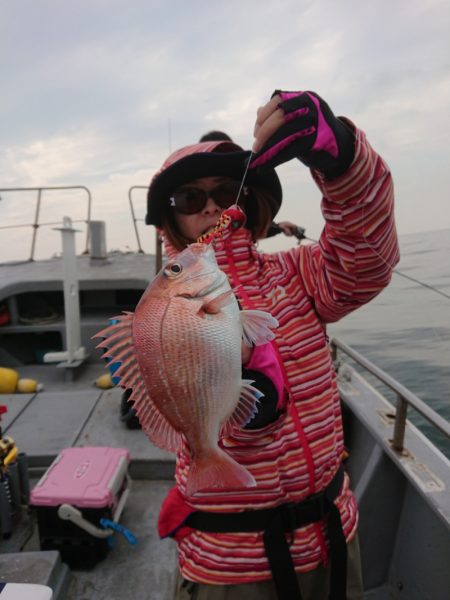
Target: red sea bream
[[180, 352]]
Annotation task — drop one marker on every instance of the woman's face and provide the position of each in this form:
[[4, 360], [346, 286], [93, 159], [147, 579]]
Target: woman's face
[[194, 225]]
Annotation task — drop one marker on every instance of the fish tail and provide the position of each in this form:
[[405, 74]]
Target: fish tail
[[217, 471]]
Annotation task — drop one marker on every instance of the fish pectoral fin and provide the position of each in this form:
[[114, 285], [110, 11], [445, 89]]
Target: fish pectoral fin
[[216, 304], [245, 410], [257, 327]]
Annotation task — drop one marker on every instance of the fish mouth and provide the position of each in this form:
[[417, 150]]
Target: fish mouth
[[208, 289], [208, 230], [214, 286]]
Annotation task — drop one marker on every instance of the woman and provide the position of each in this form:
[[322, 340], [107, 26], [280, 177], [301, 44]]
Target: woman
[[294, 535]]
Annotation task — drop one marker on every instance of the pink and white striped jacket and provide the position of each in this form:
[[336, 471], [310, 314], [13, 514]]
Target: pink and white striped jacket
[[298, 454]]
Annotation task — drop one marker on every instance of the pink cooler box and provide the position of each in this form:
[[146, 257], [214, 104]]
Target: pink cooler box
[[81, 486]]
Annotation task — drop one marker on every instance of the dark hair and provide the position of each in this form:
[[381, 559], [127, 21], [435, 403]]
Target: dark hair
[[215, 136], [171, 231]]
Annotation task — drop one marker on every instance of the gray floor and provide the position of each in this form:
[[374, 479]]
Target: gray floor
[[43, 424], [150, 565], [148, 569]]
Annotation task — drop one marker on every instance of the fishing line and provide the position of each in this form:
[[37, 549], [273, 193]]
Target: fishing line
[[396, 271], [231, 218], [438, 336], [391, 267], [425, 285], [243, 178], [374, 250]]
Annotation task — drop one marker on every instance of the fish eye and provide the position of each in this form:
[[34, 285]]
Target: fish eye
[[173, 270]]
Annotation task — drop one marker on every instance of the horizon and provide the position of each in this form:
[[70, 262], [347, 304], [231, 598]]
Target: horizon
[[51, 246]]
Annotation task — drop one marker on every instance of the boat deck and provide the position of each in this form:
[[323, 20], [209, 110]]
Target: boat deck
[[119, 270], [403, 497], [76, 415], [44, 423], [395, 488]]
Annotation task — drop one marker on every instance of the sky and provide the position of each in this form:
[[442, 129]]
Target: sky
[[95, 93]]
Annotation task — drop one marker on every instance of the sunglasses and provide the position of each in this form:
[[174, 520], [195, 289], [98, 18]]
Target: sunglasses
[[191, 200]]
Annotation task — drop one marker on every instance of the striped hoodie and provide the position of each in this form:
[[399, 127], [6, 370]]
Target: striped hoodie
[[298, 454]]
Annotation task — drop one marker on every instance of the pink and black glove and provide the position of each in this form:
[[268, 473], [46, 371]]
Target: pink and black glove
[[311, 133]]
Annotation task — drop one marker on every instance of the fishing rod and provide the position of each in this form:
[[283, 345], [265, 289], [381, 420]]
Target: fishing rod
[[234, 217], [299, 233]]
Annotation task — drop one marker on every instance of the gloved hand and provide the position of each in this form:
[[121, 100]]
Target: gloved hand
[[301, 125]]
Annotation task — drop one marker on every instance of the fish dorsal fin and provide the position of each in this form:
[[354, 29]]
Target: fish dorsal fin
[[216, 304], [257, 327], [119, 347], [246, 408]]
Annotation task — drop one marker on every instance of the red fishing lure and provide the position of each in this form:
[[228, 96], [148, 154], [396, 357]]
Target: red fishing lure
[[232, 218]]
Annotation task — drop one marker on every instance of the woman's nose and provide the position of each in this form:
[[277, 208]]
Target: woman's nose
[[211, 206]]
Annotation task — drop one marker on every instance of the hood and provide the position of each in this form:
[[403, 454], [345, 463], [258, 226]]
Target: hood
[[207, 159]]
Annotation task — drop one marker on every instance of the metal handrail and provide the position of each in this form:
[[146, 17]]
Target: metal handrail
[[37, 224], [133, 214], [405, 397], [158, 245]]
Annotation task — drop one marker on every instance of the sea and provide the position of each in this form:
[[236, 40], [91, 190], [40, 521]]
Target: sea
[[405, 330]]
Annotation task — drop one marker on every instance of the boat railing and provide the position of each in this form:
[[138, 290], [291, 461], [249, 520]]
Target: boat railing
[[404, 396], [37, 223], [136, 220]]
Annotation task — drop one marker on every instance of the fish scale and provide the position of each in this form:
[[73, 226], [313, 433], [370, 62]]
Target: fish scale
[[217, 370]]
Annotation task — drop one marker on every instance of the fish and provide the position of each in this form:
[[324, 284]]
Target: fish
[[180, 353]]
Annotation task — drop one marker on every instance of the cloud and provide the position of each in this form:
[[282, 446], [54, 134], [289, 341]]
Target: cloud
[[101, 91], [49, 161]]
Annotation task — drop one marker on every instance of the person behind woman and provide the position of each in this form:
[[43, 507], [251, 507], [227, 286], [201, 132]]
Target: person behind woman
[[294, 535], [214, 136]]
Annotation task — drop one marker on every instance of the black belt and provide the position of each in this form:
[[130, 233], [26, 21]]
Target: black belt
[[275, 523]]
